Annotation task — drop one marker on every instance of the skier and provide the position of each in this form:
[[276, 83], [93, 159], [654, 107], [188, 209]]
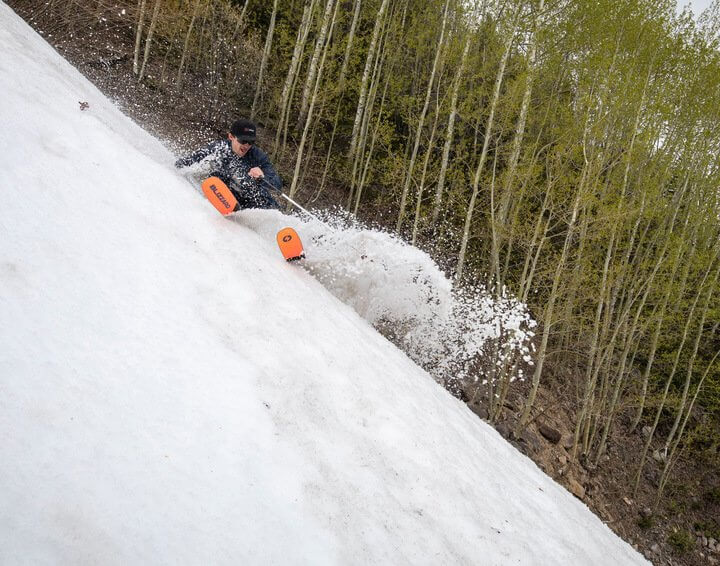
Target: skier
[[241, 165]]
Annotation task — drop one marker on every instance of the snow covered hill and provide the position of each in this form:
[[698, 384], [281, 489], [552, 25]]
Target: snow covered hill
[[171, 392]]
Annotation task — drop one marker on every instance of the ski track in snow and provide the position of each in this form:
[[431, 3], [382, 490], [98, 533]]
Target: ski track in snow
[[171, 392]]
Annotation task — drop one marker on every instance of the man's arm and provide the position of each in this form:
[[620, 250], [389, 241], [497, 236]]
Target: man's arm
[[260, 159], [197, 156]]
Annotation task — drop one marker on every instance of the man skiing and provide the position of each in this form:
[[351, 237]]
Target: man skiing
[[240, 164]]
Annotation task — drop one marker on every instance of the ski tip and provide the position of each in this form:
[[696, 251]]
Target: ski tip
[[290, 245]]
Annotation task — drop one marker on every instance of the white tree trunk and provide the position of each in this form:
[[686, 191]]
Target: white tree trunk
[[421, 120], [501, 217], [138, 37], [348, 47], [483, 155], [285, 97], [308, 120], [313, 68], [265, 58], [359, 113], [449, 132], [178, 80], [148, 40]]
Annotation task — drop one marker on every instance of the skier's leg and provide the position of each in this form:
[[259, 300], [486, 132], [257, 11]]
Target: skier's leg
[[264, 199]]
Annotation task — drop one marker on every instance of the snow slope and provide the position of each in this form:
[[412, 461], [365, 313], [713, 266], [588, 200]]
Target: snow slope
[[171, 392]]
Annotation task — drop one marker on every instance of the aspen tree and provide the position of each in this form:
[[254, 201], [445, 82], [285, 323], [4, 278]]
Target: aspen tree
[[449, 132], [421, 185], [501, 217], [421, 120], [632, 331], [701, 323], [519, 202], [547, 319], [373, 140], [593, 367], [309, 115], [537, 243], [359, 113], [366, 121], [486, 144], [149, 38], [341, 91], [181, 65], [313, 67], [631, 334], [291, 77], [672, 455], [659, 326], [355, 173], [138, 37], [263, 63], [671, 374], [243, 12]]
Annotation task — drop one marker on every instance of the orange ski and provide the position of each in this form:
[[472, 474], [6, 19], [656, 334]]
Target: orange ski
[[220, 196], [290, 244]]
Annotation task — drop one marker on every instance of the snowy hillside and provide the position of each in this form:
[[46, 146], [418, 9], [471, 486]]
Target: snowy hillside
[[172, 392]]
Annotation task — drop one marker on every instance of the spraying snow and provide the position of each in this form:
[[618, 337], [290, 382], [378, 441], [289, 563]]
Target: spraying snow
[[402, 292]]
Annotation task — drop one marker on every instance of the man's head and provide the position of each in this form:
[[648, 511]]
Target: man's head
[[242, 136]]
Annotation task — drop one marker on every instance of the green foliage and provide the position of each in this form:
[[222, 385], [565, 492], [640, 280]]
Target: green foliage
[[676, 507], [681, 540], [710, 528], [713, 496]]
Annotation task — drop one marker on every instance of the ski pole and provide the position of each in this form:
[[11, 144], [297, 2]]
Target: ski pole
[[310, 214], [291, 201]]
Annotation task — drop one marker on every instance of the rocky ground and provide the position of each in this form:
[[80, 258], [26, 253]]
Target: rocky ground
[[682, 529]]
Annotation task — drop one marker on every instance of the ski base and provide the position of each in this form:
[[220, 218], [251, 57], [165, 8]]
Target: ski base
[[290, 245], [220, 196]]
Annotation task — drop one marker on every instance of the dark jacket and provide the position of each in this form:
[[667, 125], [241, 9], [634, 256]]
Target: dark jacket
[[223, 162]]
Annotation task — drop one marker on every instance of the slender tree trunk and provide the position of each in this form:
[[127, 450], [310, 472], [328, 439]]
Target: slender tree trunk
[[359, 113], [313, 68], [373, 140], [265, 58], [241, 19], [309, 115], [181, 66], [501, 218], [672, 455], [669, 380], [421, 186], [286, 96], [483, 155], [349, 45], [688, 377], [355, 173], [148, 40], [548, 314], [138, 37], [421, 120], [449, 133], [341, 91]]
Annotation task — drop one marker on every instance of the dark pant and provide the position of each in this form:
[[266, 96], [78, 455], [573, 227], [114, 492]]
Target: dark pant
[[249, 195]]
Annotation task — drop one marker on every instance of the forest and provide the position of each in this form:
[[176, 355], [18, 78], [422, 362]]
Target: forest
[[564, 152]]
